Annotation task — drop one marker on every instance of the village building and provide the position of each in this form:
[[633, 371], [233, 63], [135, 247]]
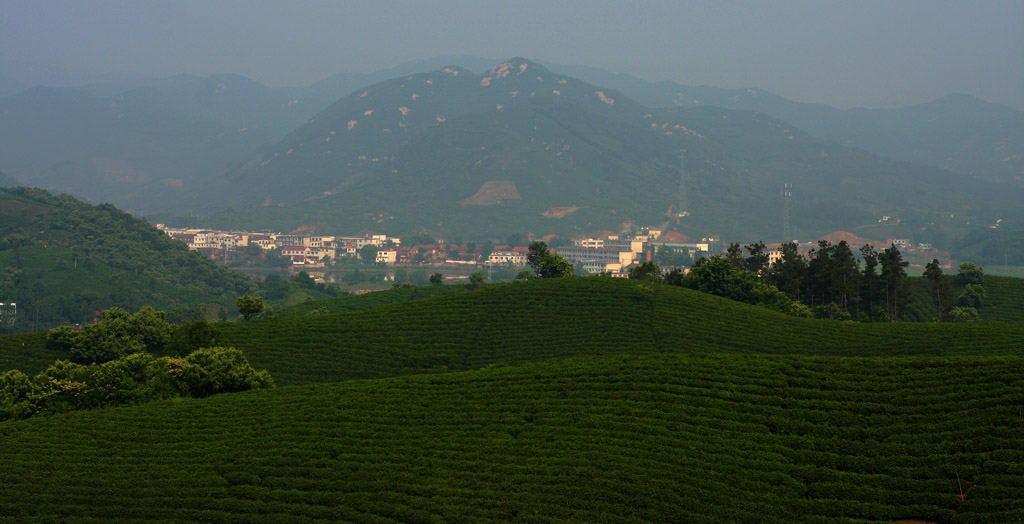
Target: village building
[[505, 258]]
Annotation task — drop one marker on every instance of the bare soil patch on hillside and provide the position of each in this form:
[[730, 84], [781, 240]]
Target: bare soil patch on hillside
[[560, 212], [492, 193]]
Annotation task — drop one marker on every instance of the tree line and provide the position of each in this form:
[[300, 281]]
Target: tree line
[[831, 282]]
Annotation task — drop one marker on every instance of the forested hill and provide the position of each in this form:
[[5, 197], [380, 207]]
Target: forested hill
[[62, 260], [521, 148]]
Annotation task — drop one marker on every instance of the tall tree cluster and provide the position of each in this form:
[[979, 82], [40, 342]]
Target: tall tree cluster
[[835, 282]]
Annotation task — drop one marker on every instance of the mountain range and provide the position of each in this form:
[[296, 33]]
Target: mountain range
[[447, 149]]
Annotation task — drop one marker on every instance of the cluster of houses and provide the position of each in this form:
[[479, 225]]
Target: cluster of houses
[[610, 253], [301, 250]]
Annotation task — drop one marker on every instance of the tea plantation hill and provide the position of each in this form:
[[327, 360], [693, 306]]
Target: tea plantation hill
[[66, 260], [1004, 299], [522, 148], [443, 328], [585, 399]]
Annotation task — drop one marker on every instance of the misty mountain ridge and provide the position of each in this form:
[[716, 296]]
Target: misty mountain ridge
[[521, 147], [239, 119], [959, 132], [137, 150]]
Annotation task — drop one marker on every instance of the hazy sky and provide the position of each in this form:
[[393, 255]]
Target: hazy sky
[[849, 53]]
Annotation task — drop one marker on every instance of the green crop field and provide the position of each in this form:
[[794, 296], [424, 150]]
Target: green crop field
[[1004, 299], [567, 400], [656, 438], [369, 300]]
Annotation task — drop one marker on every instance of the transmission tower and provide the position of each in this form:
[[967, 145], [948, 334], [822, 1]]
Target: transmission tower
[[787, 193], [683, 209]]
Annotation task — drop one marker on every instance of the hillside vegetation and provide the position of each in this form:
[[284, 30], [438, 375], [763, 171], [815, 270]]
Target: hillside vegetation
[[367, 300], [62, 260], [418, 152], [1004, 299], [657, 438], [956, 132], [576, 399], [538, 320]]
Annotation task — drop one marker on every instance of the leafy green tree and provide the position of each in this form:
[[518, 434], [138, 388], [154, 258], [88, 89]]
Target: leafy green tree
[[116, 335], [368, 254], [972, 296], [757, 258], [647, 271], [304, 280], [524, 275], [970, 274], [535, 256], [274, 258], [419, 277], [191, 336], [844, 275], [502, 274], [151, 328], [895, 281], [963, 314], [734, 255], [221, 369], [717, 276], [546, 264], [275, 288], [16, 395], [476, 279], [870, 288], [486, 249], [789, 272], [819, 268], [436, 279], [401, 274], [667, 256], [249, 306], [674, 277], [940, 289]]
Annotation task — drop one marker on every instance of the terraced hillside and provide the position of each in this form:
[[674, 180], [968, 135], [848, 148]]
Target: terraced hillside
[[1004, 299], [656, 438], [368, 300], [538, 320], [570, 400]]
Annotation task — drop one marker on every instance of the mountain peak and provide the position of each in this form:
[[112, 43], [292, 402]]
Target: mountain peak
[[517, 66]]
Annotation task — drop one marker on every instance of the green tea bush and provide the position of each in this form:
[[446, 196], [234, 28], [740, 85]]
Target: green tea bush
[[139, 377]]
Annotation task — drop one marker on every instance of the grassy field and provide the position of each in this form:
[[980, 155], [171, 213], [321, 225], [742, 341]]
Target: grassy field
[[573, 400]]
